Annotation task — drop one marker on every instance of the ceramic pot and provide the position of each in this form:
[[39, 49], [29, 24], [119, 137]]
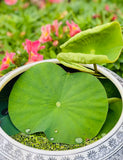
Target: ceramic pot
[[110, 147]]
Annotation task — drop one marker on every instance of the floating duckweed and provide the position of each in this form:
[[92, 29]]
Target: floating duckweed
[[39, 141]]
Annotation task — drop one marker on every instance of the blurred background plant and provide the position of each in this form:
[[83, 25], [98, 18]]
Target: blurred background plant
[[33, 30]]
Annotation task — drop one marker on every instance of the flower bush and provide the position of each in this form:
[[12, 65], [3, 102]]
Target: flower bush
[[74, 28], [49, 33], [34, 34]]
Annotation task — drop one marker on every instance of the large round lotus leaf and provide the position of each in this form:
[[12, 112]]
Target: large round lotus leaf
[[67, 107], [101, 44]]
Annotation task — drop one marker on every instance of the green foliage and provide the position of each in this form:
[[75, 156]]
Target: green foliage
[[117, 67], [53, 98]]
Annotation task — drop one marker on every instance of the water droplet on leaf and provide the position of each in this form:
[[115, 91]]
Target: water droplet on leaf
[[56, 131], [78, 140], [51, 139], [103, 134], [58, 104], [27, 130]]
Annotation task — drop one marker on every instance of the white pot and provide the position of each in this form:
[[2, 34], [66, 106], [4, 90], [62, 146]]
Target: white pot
[[110, 147]]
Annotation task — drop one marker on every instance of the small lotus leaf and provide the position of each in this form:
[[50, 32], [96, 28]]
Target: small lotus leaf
[[5, 121], [8, 126], [98, 45], [113, 116], [67, 107], [110, 88]]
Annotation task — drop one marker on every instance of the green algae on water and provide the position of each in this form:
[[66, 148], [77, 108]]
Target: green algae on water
[[39, 141]]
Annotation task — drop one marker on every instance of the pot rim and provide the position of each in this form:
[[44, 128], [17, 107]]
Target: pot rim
[[6, 78]]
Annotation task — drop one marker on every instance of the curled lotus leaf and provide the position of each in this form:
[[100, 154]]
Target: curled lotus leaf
[[67, 107], [99, 45]]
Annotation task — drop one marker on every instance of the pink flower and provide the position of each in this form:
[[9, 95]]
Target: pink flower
[[107, 7], [10, 2], [65, 29], [7, 60], [34, 57], [74, 28], [55, 27], [114, 17], [55, 43], [63, 14], [96, 16], [25, 5], [43, 4], [55, 1], [46, 31], [32, 49]]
